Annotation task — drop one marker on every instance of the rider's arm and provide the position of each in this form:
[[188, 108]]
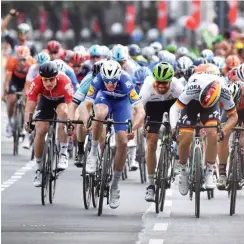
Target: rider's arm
[[9, 73], [230, 123], [29, 108], [174, 114], [139, 116], [71, 74], [7, 19]]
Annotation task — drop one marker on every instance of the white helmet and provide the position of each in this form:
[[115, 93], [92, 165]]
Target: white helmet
[[111, 70], [79, 49], [157, 46], [148, 52], [240, 72], [60, 63]]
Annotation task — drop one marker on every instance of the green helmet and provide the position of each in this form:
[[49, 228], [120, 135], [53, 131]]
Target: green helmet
[[171, 48], [163, 72]]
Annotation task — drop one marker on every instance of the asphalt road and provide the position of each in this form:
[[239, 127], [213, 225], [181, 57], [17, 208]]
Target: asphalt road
[[26, 221]]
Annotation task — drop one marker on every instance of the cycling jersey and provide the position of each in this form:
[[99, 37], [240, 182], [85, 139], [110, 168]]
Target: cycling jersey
[[149, 94], [32, 72], [82, 90], [124, 88], [130, 66], [63, 89], [15, 68]]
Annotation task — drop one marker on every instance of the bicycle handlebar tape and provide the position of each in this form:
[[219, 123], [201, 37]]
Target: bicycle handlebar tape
[[129, 126]]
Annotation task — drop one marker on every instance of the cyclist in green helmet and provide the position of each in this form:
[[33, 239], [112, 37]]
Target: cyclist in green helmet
[[172, 48], [158, 93]]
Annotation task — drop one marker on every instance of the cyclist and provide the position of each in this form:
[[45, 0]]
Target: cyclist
[[183, 64], [120, 54], [207, 54], [237, 92], [232, 61], [182, 51], [117, 96], [135, 54], [54, 49], [158, 94], [16, 71], [157, 46], [33, 71], [172, 48], [202, 94], [75, 62], [240, 72], [149, 54], [77, 102], [65, 68], [56, 92]]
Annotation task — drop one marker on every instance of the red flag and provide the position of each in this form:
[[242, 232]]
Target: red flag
[[64, 20], [233, 11], [162, 16], [130, 18], [193, 21], [43, 21], [95, 25]]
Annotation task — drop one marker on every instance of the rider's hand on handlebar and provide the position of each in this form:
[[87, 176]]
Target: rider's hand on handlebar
[[131, 135]]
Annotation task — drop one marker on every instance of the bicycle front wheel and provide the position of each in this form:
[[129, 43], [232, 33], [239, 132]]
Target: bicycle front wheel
[[105, 170], [197, 182]]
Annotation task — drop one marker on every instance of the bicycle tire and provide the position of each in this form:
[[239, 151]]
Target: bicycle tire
[[233, 187], [45, 171], [16, 131], [87, 187], [158, 183], [106, 158], [53, 175], [197, 182], [141, 157]]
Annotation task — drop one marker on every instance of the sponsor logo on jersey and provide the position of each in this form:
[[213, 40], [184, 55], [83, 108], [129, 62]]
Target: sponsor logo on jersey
[[69, 89], [128, 84], [95, 80], [91, 91], [31, 88], [193, 89], [133, 95], [226, 94]]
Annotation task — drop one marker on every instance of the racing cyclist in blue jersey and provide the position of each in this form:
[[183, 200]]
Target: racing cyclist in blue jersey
[[65, 68], [112, 92], [78, 98]]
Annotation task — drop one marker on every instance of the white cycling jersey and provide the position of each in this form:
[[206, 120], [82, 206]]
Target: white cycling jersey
[[32, 72], [192, 91], [130, 67], [149, 94]]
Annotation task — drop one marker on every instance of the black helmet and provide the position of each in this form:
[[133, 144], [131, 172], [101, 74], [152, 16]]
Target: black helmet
[[96, 67], [190, 71], [48, 69]]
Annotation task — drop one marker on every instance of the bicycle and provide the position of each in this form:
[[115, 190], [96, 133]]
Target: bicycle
[[50, 157], [235, 172], [163, 171], [18, 122], [196, 164], [104, 170]]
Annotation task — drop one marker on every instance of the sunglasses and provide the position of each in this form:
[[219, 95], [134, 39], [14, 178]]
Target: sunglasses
[[162, 82], [22, 59], [53, 52], [22, 32], [51, 79], [77, 65], [96, 56], [110, 81]]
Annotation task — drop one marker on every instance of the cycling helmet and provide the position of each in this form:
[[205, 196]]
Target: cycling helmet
[[219, 62], [66, 55], [95, 51], [236, 92], [22, 52], [171, 48], [53, 46], [48, 70], [111, 71], [119, 53], [105, 52], [23, 28], [189, 72], [207, 54], [207, 69], [42, 58], [232, 61], [79, 49], [240, 72], [200, 61], [210, 94], [60, 64], [140, 75], [167, 57], [183, 64], [96, 68], [77, 58], [148, 52], [182, 51], [163, 72], [157, 46], [134, 50]]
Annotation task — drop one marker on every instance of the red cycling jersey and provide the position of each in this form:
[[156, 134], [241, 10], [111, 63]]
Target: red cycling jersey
[[63, 89]]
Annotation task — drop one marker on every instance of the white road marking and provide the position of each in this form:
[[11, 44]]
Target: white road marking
[[160, 227], [156, 241]]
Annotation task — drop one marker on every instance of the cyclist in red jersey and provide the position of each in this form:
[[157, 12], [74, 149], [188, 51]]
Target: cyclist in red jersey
[[50, 91], [75, 62]]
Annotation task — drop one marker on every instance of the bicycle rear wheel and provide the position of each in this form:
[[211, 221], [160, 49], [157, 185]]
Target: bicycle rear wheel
[[46, 171], [197, 182], [233, 180], [87, 179], [105, 170]]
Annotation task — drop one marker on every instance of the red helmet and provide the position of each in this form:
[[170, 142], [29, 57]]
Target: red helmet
[[77, 58], [53, 46], [66, 54]]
